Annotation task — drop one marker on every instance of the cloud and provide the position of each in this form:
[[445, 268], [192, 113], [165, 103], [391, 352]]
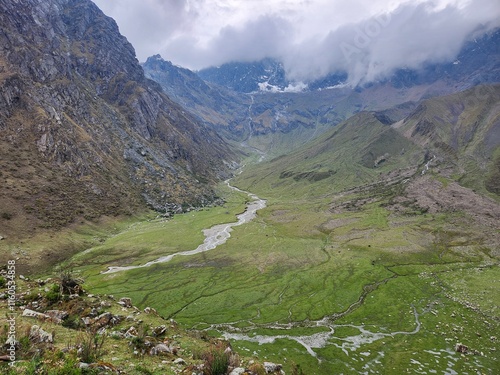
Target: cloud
[[311, 37]]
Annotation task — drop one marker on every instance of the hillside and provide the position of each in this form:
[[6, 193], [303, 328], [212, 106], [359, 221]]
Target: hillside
[[258, 105], [459, 131], [84, 133]]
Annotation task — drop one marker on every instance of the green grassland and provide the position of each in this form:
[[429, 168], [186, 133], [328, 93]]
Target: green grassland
[[375, 277], [366, 258]]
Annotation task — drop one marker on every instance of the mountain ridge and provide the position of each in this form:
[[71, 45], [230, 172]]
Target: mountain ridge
[[86, 133]]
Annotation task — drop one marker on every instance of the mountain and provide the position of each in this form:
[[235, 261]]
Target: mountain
[[458, 132], [84, 132], [217, 106], [255, 103], [478, 62], [266, 75]]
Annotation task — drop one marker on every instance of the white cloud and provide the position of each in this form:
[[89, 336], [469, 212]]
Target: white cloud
[[313, 37]]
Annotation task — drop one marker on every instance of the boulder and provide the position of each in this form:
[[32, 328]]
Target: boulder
[[179, 361], [237, 371], [272, 367], [160, 330], [35, 314], [160, 349], [38, 335], [104, 319], [150, 310], [57, 316], [131, 332], [125, 302]]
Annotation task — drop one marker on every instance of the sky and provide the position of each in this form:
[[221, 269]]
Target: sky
[[368, 39]]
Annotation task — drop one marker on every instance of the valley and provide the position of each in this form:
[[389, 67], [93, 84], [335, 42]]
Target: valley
[[329, 284], [167, 221]]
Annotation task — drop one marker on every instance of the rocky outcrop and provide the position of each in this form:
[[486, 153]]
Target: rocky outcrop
[[84, 132]]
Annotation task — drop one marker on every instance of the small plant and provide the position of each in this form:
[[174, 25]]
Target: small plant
[[70, 284], [216, 361], [72, 322], [3, 282], [53, 295], [296, 370], [257, 369], [6, 215], [90, 346]]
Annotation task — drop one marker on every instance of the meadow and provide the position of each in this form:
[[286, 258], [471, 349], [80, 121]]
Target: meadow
[[364, 290]]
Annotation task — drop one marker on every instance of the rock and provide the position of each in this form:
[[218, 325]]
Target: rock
[[83, 365], [35, 314], [237, 371], [38, 335], [125, 302], [150, 310], [160, 330], [57, 316], [179, 361], [105, 304], [461, 348], [104, 319], [160, 349], [1, 238], [87, 321], [272, 367], [22, 277], [131, 332]]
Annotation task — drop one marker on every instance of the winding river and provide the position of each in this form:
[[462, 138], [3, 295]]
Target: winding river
[[214, 236]]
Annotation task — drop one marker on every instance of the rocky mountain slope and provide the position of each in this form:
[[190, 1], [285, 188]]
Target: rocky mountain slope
[[459, 132], [84, 132], [263, 105]]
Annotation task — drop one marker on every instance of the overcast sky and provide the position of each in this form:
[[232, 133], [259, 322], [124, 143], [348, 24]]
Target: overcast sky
[[366, 38]]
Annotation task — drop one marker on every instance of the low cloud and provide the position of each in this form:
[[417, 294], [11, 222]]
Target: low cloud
[[312, 38]]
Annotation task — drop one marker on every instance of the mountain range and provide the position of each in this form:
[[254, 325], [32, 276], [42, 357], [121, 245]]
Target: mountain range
[[89, 132], [246, 100]]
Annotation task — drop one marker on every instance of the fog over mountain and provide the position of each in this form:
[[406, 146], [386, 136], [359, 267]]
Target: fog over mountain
[[311, 38]]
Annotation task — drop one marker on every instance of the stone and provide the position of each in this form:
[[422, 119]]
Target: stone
[[104, 319], [87, 321], [38, 335], [160, 349], [272, 367], [35, 314], [461, 348], [179, 361], [57, 316], [160, 330], [150, 310], [237, 371], [125, 302], [131, 332]]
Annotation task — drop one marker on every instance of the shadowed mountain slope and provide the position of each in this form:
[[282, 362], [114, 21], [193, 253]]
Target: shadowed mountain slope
[[84, 133]]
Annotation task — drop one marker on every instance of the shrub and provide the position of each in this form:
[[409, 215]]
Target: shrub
[[53, 295], [90, 346], [216, 361]]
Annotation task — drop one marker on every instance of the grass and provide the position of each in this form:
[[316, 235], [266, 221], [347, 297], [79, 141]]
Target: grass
[[281, 269], [366, 268]]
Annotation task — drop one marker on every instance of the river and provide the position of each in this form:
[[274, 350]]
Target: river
[[214, 236]]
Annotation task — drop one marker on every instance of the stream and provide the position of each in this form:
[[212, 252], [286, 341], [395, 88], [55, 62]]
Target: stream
[[214, 236], [316, 340]]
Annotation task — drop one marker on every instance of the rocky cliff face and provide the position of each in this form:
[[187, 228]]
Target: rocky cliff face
[[84, 133]]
